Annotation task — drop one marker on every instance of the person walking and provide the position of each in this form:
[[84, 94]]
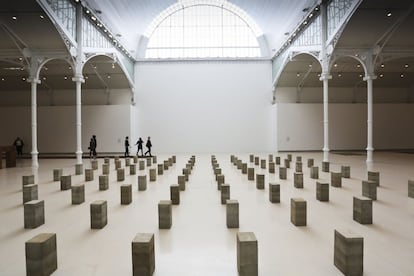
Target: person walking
[[139, 143], [95, 146], [18, 144], [91, 148], [126, 147], [148, 145]]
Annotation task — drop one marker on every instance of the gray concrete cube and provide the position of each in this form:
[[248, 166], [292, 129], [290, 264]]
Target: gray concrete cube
[[322, 191], [164, 214], [99, 214], [298, 211], [142, 182], [232, 213], [30, 192], [274, 193], [34, 214], [175, 194], [103, 182], [78, 194], [362, 210], [348, 253], [247, 254], [143, 255], [41, 255], [126, 194]]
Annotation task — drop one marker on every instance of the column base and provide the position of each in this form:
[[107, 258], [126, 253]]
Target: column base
[[35, 162], [79, 157], [370, 154], [325, 155]]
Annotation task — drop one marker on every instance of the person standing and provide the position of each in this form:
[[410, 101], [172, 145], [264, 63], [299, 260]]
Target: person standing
[[126, 147], [139, 143], [95, 146], [148, 145], [91, 148], [18, 144]]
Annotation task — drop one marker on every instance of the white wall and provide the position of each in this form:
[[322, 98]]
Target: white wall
[[57, 130], [205, 106], [300, 126]]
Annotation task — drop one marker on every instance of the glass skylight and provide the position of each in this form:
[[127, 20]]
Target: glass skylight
[[203, 29]]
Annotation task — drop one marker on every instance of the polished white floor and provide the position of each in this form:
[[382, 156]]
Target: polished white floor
[[199, 242]]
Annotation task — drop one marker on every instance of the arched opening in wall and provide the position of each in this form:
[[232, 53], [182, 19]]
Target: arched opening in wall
[[347, 105], [299, 109], [106, 104], [56, 98]]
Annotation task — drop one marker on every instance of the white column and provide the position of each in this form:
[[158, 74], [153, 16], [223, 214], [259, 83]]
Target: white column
[[34, 82], [325, 77], [370, 101], [79, 80]]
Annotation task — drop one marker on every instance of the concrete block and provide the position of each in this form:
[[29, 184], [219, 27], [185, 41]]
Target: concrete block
[[153, 174], [336, 179], [94, 164], [270, 157], [181, 182], [314, 172], [105, 168], [298, 180], [41, 255], [30, 192], [260, 181], [164, 214], [160, 168], [225, 193], [289, 157], [220, 181], [325, 166], [154, 159], [79, 169], [244, 168], [120, 174], [107, 160], [232, 213], [282, 173], [322, 191], [298, 211], [250, 173], [374, 176], [142, 182], [274, 193], [310, 162], [369, 189], [78, 194], [298, 159], [287, 163], [247, 254], [411, 188], [186, 173], [99, 214], [103, 182], [88, 175], [127, 161], [170, 163], [135, 159], [175, 194], [272, 167], [298, 167], [34, 214], [143, 255], [57, 173], [126, 194], [251, 158], [217, 171], [65, 182], [141, 165], [118, 164], [174, 158], [239, 164], [277, 160], [166, 165], [132, 169], [348, 253], [346, 171], [263, 164], [28, 179], [256, 160], [362, 210], [149, 161]]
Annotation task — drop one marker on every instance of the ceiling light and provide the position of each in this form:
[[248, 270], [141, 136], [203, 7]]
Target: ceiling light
[[360, 75], [336, 65], [339, 75], [310, 65], [93, 18], [23, 79], [42, 16], [3, 79], [298, 75], [382, 65], [66, 77], [77, 1], [319, 75], [317, 9], [310, 15], [45, 68], [70, 67], [87, 11], [402, 75], [44, 78], [109, 76], [358, 65], [389, 14], [113, 66], [381, 75], [305, 23], [20, 58], [86, 77], [14, 17], [406, 66]]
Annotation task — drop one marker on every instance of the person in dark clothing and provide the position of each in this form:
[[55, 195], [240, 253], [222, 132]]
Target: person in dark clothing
[[139, 143], [95, 146], [126, 147], [91, 148], [18, 144], [148, 145]]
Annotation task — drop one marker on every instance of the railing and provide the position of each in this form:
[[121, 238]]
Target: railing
[[66, 12]]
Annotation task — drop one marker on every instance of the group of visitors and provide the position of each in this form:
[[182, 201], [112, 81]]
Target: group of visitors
[[139, 143]]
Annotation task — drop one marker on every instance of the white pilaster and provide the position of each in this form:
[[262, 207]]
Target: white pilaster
[[34, 82], [370, 101], [79, 80]]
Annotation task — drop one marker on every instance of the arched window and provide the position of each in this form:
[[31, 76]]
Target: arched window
[[203, 29]]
